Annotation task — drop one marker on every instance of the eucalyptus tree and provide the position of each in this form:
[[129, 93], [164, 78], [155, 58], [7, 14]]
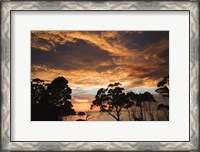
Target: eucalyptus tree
[[111, 100], [163, 89], [50, 101]]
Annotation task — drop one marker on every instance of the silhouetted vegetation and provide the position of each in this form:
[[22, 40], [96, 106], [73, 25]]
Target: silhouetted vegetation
[[87, 115], [111, 100], [50, 101], [80, 120], [81, 113], [144, 102], [163, 89]]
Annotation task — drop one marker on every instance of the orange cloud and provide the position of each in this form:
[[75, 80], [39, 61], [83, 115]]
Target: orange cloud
[[87, 80], [88, 70], [61, 37]]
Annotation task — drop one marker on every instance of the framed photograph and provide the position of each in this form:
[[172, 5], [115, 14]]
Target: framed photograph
[[104, 75]]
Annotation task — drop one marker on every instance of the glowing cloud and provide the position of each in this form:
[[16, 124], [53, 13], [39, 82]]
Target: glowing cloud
[[91, 60]]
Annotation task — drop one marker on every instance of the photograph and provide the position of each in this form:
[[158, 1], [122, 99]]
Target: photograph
[[108, 76], [99, 75]]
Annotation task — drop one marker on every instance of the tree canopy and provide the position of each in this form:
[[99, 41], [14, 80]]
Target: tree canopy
[[49, 101], [163, 87], [111, 100]]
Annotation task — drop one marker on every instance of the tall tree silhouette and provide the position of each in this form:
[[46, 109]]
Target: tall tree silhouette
[[130, 105], [111, 100], [37, 89], [54, 100], [163, 89], [59, 95], [142, 100], [165, 111], [59, 92], [149, 106]]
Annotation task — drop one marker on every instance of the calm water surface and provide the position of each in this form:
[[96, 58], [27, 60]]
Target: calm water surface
[[97, 116]]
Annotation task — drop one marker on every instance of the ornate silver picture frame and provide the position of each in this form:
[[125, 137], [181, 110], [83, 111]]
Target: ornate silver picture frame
[[8, 8]]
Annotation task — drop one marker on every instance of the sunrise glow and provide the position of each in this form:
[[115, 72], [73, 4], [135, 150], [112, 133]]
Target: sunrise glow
[[93, 60]]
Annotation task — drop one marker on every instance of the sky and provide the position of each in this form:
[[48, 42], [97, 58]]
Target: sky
[[91, 60]]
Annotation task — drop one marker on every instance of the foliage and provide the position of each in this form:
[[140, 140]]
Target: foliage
[[111, 100], [144, 102], [50, 101], [37, 89], [163, 89]]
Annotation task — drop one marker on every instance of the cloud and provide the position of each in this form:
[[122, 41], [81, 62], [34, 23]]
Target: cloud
[[48, 40], [72, 56], [91, 60]]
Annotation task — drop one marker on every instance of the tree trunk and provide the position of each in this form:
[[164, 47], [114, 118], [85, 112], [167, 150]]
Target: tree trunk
[[129, 114], [118, 116], [151, 116], [167, 115], [141, 112]]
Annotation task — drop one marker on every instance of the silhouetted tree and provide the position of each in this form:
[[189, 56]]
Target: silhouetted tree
[[59, 94], [165, 111], [53, 101], [130, 105], [111, 100], [143, 99], [37, 89], [149, 105], [163, 89]]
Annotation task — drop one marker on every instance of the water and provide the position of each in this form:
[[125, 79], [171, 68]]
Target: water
[[97, 116]]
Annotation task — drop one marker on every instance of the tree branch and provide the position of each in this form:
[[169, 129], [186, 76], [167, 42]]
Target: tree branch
[[112, 115]]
